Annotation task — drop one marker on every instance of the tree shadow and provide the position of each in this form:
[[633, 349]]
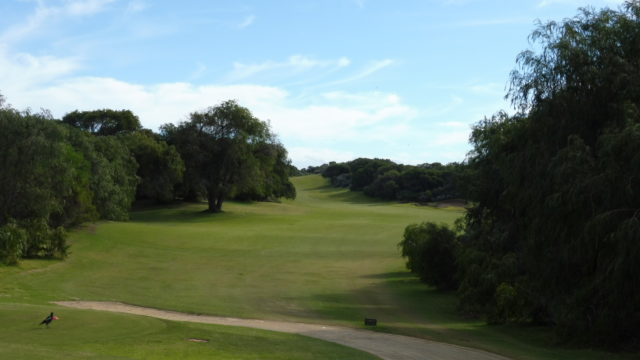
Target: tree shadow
[[395, 298], [177, 213], [347, 196]]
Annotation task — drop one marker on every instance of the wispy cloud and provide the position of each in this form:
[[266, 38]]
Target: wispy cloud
[[294, 64], [84, 7], [26, 71], [360, 3], [492, 88], [247, 22], [367, 71], [44, 14], [318, 155], [135, 6], [198, 72], [326, 121]]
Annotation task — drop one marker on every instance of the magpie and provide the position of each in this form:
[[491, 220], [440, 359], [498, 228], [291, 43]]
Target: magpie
[[49, 319]]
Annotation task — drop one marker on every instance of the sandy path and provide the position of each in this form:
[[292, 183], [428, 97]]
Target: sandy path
[[386, 346]]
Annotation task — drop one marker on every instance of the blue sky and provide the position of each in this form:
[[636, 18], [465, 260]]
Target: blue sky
[[337, 79]]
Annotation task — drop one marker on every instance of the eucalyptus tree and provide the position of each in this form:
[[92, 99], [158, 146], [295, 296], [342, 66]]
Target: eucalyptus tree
[[227, 150]]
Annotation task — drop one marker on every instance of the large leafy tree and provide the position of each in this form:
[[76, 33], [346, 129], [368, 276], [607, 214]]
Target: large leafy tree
[[227, 150], [160, 167], [43, 186], [103, 122], [554, 236]]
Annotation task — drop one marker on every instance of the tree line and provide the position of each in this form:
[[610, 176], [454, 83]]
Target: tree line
[[385, 179], [90, 165], [553, 236]]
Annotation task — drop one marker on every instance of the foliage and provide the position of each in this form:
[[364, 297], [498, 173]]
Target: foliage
[[387, 180], [93, 164], [103, 122], [13, 240], [430, 250], [227, 150], [43, 181], [114, 181], [553, 237], [160, 167], [272, 175]]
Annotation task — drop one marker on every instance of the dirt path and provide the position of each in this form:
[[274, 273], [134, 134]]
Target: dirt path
[[386, 346]]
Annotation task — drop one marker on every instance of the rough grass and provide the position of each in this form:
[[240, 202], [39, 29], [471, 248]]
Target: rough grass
[[330, 256]]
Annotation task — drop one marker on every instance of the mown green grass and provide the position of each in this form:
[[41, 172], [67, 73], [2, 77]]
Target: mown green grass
[[83, 334], [330, 256]]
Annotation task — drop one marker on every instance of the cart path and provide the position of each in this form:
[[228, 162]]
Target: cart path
[[386, 346]]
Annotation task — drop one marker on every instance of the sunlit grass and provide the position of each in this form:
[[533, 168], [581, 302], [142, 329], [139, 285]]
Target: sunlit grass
[[330, 256]]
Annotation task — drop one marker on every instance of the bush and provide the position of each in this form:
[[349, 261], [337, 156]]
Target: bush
[[12, 243], [43, 241], [431, 251]]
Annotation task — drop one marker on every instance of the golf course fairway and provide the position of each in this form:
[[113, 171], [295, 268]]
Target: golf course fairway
[[328, 257]]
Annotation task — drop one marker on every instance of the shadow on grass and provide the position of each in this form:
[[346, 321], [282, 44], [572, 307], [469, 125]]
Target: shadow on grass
[[391, 297], [347, 196], [402, 305], [393, 275], [177, 213]]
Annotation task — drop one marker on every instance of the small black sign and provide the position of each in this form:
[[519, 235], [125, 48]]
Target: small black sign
[[370, 322]]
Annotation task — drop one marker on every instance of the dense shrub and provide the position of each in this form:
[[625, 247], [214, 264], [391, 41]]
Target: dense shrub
[[431, 250], [12, 243]]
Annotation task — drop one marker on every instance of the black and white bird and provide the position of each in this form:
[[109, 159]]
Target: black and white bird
[[49, 319]]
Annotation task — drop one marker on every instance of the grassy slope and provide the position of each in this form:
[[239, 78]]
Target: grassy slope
[[330, 256]]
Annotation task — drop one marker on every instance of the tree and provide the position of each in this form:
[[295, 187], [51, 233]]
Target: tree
[[160, 167], [103, 122], [430, 250], [271, 179], [43, 181], [553, 236], [225, 149]]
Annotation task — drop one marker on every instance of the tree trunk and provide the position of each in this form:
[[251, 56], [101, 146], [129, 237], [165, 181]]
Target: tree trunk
[[211, 199], [219, 201], [215, 199]]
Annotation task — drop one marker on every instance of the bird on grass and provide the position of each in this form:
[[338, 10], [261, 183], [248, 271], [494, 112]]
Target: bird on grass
[[49, 319]]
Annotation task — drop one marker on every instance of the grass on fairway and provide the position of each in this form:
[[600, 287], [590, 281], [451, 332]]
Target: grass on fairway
[[330, 256], [82, 334]]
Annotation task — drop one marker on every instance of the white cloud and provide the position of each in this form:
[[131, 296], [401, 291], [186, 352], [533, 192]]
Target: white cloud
[[336, 125], [370, 69], [44, 14], [25, 71], [295, 64], [458, 137], [314, 156]]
